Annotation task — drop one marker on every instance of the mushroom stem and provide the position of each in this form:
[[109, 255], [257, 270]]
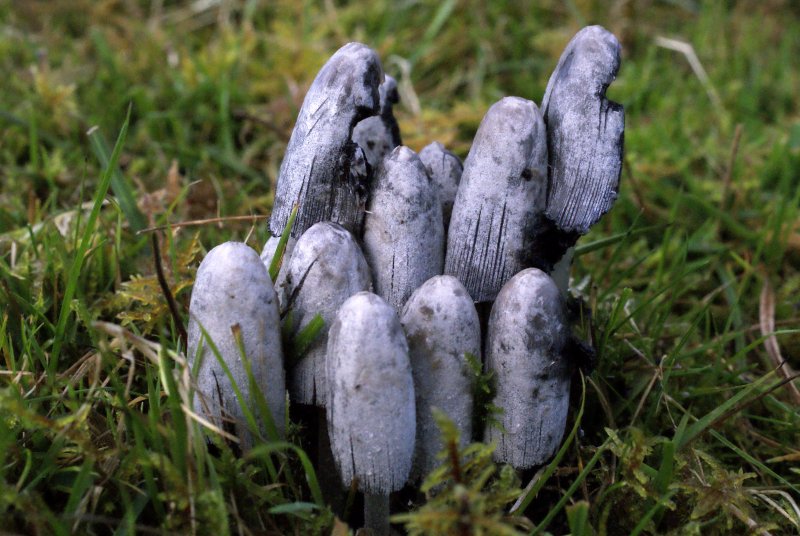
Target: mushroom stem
[[560, 273], [376, 513]]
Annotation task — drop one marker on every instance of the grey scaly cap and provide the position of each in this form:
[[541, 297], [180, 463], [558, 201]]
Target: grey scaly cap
[[526, 335], [500, 199], [233, 287], [326, 268], [315, 172], [585, 132], [445, 169], [403, 231], [371, 415], [441, 326]]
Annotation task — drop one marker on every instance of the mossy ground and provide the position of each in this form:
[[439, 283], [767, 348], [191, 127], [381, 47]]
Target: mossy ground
[[692, 279]]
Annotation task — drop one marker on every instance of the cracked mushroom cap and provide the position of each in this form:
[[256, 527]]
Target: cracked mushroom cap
[[493, 227], [233, 288], [403, 231], [525, 339], [325, 269], [441, 326], [315, 172], [371, 415], [585, 132], [379, 134]]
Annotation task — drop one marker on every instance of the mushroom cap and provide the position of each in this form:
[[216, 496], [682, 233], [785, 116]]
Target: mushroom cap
[[371, 415], [441, 326], [403, 232], [445, 169], [500, 200], [525, 338], [315, 171], [585, 131], [326, 268], [233, 287], [379, 134]]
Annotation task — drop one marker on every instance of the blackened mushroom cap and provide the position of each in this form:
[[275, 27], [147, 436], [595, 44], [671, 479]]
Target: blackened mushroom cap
[[371, 414], [378, 135], [315, 173], [585, 132]]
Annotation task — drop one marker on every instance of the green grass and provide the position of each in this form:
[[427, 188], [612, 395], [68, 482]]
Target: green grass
[[692, 280]]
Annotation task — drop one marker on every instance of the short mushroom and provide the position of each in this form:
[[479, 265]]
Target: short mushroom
[[326, 268], [500, 199], [233, 292], [379, 134], [585, 134], [445, 169], [403, 231], [371, 415], [442, 327], [315, 173], [525, 340]]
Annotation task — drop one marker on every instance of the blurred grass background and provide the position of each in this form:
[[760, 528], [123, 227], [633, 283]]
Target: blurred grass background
[[689, 277]]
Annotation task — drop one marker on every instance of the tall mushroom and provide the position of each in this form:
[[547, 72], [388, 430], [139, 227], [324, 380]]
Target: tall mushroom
[[442, 327], [316, 171], [585, 134], [403, 231], [371, 415], [525, 341], [233, 296], [445, 169], [379, 134], [500, 200]]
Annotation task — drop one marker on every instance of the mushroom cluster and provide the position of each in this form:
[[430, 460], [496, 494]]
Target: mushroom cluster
[[397, 252]]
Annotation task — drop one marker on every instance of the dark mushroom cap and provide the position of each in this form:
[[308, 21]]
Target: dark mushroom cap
[[585, 131], [315, 172], [379, 134]]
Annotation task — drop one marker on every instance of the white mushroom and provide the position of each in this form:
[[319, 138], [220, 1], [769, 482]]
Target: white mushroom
[[403, 232], [233, 291], [315, 173], [500, 200], [441, 326], [525, 340], [445, 169], [326, 268], [371, 415]]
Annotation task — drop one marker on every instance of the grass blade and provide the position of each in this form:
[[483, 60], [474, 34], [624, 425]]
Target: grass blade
[[121, 187], [83, 247]]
